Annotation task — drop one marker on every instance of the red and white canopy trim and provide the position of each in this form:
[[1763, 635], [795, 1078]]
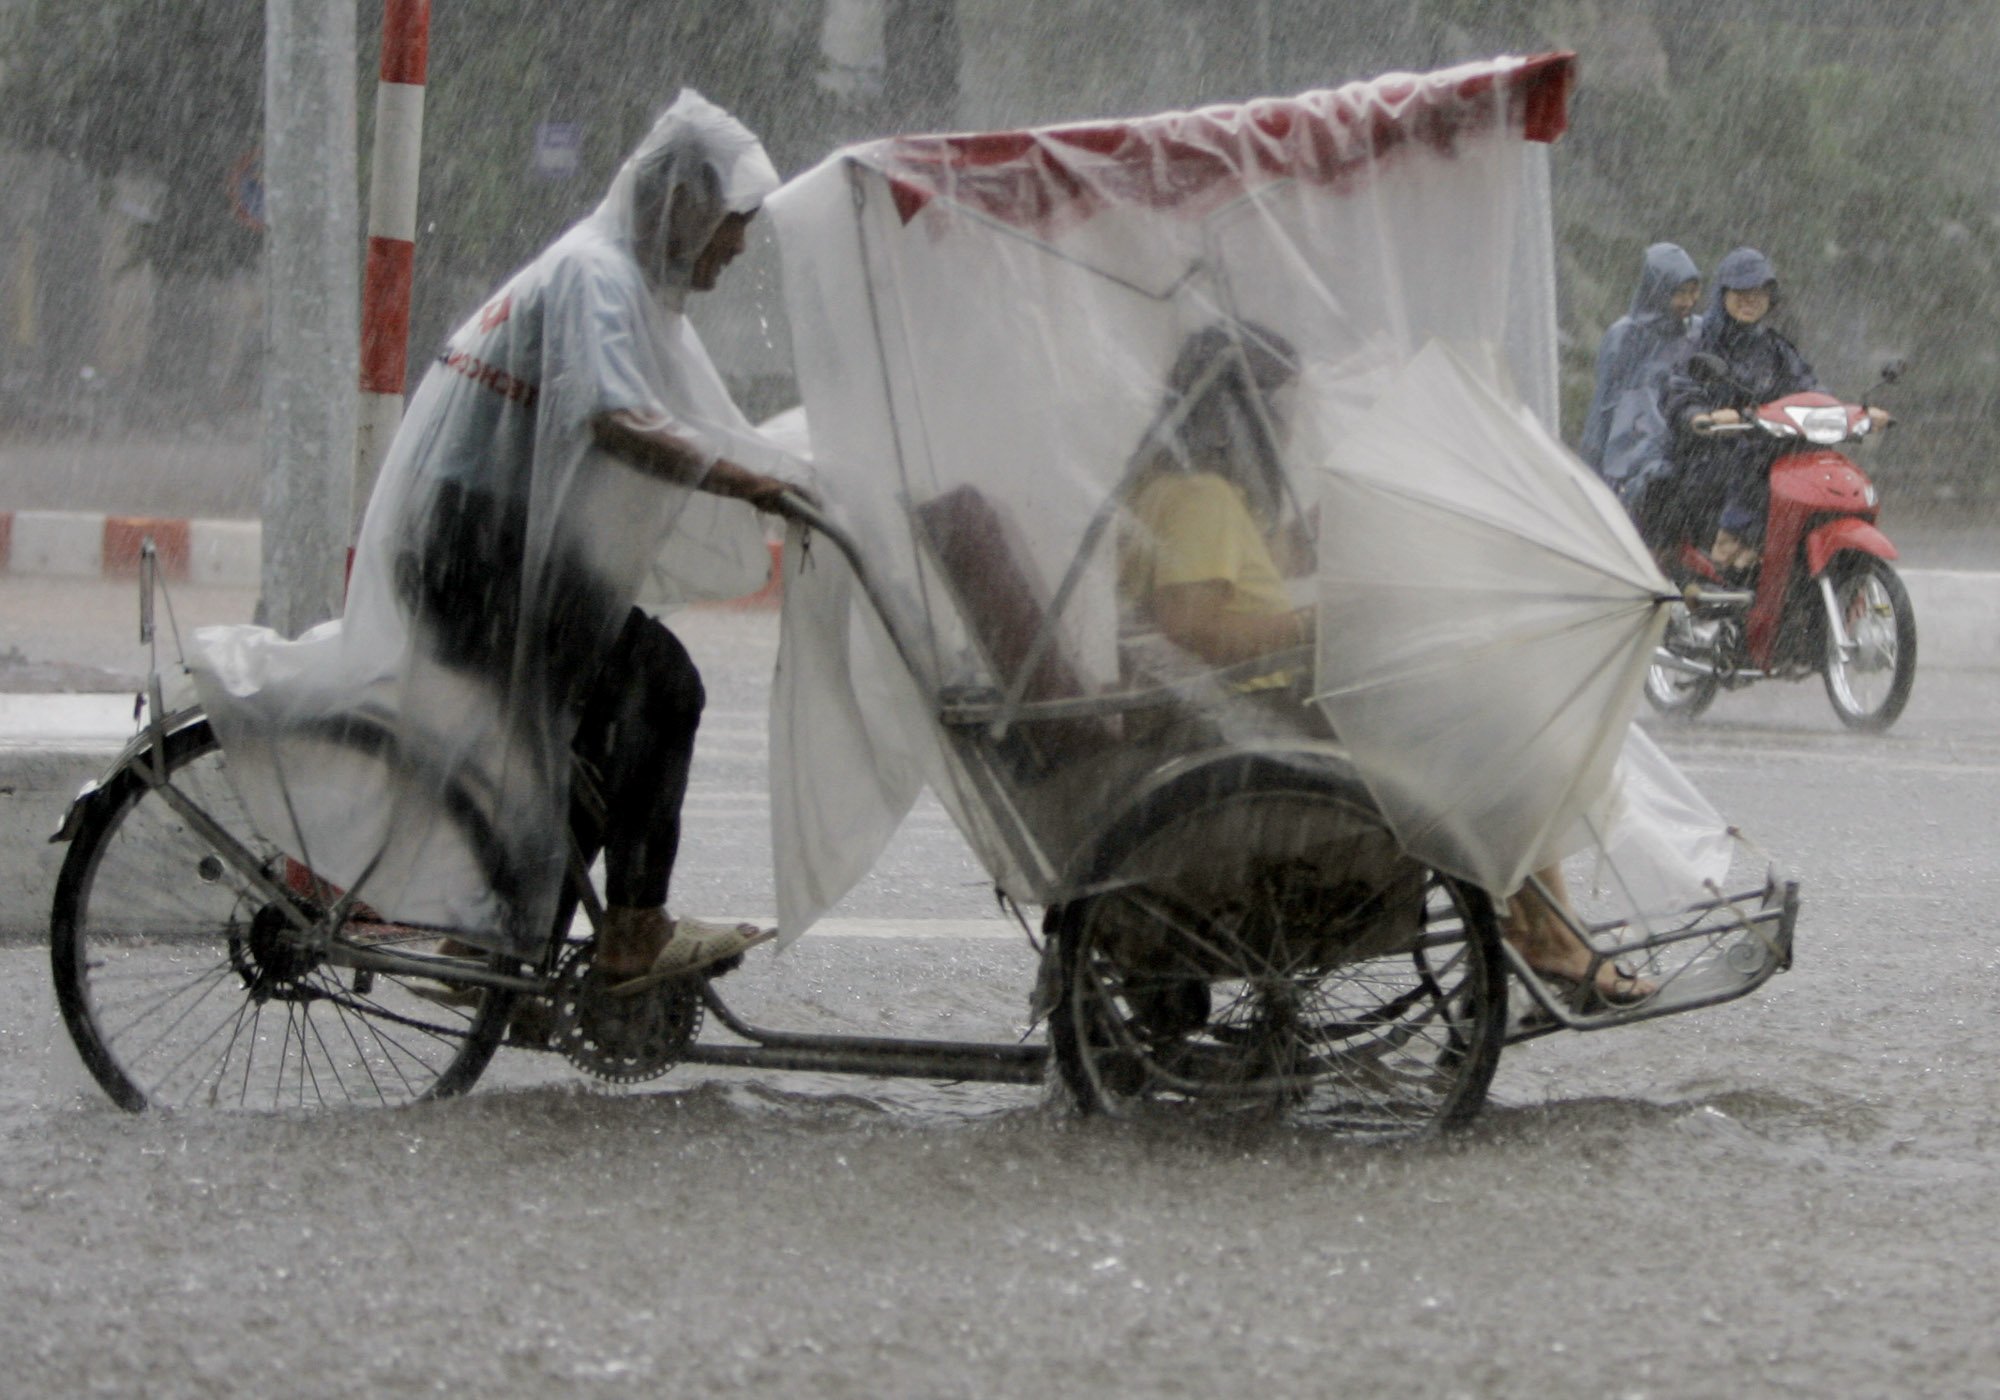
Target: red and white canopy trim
[[1049, 178]]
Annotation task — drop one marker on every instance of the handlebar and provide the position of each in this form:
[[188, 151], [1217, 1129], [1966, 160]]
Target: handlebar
[[796, 505]]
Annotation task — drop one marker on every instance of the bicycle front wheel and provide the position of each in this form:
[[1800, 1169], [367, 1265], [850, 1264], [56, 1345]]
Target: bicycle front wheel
[[185, 985]]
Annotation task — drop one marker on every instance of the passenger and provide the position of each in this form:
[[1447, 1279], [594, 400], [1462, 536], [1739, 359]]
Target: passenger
[[1625, 438], [1200, 557], [1204, 559], [1721, 485]]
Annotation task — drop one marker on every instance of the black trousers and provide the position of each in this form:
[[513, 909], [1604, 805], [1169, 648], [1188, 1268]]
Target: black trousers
[[637, 735]]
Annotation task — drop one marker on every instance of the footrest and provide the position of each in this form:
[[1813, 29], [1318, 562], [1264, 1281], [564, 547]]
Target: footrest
[[1716, 951]]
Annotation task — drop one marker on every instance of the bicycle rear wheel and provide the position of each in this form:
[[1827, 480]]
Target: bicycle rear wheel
[[185, 985]]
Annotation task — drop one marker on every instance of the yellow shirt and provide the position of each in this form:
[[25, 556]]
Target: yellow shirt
[[1197, 528]]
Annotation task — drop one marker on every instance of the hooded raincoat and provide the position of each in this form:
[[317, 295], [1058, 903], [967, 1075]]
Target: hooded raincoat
[[415, 751], [1625, 438], [1725, 480]]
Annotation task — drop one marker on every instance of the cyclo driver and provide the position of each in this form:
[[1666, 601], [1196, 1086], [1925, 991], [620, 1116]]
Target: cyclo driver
[[550, 454]]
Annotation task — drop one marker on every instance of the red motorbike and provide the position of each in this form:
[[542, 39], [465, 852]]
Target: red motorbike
[[1824, 598]]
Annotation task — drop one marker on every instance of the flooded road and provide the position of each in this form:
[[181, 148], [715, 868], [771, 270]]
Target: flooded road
[[1792, 1195]]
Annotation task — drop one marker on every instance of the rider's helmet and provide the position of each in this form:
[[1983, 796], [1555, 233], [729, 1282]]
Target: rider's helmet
[[1743, 270]]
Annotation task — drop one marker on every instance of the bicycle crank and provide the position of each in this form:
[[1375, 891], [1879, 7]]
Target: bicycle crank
[[622, 1039]]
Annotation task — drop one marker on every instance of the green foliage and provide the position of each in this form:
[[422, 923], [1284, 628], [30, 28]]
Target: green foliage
[[174, 91], [137, 87], [499, 68]]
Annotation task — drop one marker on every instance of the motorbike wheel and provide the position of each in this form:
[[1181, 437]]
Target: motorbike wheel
[[1870, 684], [1676, 693]]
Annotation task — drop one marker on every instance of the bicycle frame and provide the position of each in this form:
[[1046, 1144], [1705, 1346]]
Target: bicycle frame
[[971, 724]]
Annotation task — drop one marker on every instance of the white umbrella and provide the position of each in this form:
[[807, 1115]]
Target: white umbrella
[[1486, 616]]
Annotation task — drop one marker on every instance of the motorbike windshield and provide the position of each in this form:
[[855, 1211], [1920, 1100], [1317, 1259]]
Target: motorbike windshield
[[1215, 428]]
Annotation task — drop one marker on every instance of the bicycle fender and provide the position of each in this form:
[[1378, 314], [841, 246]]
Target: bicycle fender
[[93, 789], [72, 818], [1849, 532]]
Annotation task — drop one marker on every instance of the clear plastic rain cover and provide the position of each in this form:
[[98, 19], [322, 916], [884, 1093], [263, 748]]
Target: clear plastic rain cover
[[1206, 435], [416, 751]]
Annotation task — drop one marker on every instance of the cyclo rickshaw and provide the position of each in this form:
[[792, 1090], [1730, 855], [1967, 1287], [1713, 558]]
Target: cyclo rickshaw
[[1271, 882]]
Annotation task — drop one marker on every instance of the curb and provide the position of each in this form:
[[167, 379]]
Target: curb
[[87, 544], [217, 553]]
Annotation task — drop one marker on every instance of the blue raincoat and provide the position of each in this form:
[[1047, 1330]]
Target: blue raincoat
[[1625, 438]]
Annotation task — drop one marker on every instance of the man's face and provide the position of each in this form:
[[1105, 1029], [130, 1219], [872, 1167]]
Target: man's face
[[1684, 298], [723, 249]]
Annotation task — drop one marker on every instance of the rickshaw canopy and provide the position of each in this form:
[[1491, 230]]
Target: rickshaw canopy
[[987, 329]]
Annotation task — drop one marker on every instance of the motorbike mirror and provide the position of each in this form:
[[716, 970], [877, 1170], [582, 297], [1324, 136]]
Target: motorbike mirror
[[1707, 369], [1893, 370]]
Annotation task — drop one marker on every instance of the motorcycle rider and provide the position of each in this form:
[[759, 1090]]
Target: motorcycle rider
[[1723, 483], [1625, 438]]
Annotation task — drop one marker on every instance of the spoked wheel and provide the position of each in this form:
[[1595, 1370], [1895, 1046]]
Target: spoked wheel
[[1262, 946], [1674, 692], [1869, 684], [185, 985]]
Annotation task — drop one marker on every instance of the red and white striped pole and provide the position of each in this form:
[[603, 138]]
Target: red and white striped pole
[[392, 238]]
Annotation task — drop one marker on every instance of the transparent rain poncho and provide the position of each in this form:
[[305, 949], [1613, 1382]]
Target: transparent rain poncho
[[415, 751], [1278, 354]]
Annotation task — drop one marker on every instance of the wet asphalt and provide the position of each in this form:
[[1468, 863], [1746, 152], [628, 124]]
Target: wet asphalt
[[1792, 1195]]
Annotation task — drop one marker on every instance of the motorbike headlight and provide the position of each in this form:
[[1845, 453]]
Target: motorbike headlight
[[1871, 497], [1820, 426]]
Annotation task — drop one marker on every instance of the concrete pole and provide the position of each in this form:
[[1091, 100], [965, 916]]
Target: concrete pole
[[310, 297], [1261, 14], [392, 234]]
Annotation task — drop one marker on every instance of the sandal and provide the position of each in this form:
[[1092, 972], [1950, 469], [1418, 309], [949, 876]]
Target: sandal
[[448, 994], [1732, 556], [456, 995], [531, 1026], [695, 946], [1626, 989]]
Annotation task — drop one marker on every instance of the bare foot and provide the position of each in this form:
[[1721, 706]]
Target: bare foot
[[1611, 985], [1552, 949]]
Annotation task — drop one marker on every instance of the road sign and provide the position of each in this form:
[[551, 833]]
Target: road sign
[[558, 149]]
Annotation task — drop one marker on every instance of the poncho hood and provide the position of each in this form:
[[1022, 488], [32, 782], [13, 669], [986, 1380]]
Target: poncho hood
[[1666, 267], [695, 167]]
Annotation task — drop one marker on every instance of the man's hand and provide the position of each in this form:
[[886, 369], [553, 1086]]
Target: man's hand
[[659, 450], [1715, 419], [725, 478], [1879, 418]]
